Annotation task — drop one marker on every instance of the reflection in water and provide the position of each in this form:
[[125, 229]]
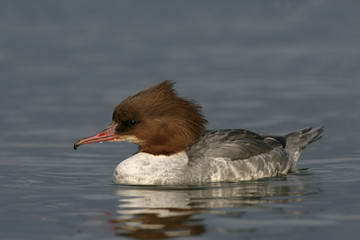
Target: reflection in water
[[160, 212]]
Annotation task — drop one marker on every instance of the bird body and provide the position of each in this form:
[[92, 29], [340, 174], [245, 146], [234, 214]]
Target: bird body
[[176, 148]]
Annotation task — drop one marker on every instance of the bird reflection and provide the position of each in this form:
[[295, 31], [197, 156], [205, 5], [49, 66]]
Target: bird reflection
[[158, 224], [159, 212], [156, 213]]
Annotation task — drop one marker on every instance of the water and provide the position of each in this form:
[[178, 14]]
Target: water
[[266, 66]]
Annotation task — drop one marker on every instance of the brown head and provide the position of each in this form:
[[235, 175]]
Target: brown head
[[157, 119]]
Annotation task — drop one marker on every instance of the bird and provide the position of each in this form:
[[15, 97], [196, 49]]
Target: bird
[[175, 147]]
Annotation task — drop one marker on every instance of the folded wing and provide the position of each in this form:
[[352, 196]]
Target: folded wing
[[236, 144]]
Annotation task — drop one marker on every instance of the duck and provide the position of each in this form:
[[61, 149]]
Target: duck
[[175, 147]]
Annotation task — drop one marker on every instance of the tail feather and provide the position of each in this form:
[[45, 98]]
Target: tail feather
[[298, 140]]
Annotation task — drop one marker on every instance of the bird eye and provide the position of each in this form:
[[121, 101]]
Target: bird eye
[[132, 123]]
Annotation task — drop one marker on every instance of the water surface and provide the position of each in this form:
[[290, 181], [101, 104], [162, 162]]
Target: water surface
[[269, 67]]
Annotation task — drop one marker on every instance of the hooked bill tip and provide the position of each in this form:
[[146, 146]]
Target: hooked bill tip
[[76, 145]]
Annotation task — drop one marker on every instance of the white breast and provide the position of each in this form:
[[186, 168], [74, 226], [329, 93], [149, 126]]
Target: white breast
[[144, 168]]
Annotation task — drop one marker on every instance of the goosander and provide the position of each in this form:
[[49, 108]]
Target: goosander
[[176, 148]]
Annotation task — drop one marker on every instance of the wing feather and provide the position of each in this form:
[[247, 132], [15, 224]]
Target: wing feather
[[236, 144]]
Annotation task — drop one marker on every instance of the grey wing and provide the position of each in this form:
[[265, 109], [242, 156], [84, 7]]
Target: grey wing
[[236, 144]]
